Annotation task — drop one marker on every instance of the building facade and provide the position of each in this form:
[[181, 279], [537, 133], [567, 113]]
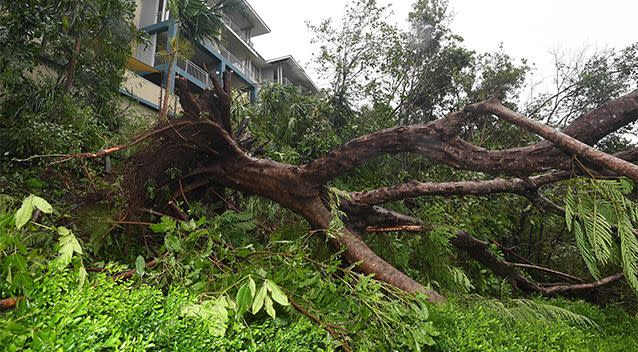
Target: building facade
[[147, 68]]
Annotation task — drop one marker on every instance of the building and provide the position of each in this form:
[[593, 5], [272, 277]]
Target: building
[[147, 69]]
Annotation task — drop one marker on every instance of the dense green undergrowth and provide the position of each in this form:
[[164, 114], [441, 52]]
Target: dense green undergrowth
[[217, 288], [107, 316]]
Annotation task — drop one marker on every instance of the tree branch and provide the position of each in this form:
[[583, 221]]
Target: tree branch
[[480, 187], [561, 140], [438, 141], [581, 287]]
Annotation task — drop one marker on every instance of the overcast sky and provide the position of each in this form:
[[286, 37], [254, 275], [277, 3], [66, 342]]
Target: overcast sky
[[528, 29]]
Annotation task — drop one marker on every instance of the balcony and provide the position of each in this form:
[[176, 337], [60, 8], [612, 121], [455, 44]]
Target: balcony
[[245, 66], [238, 31], [190, 68]]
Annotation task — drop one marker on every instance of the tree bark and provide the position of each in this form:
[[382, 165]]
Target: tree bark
[[72, 65], [203, 146]]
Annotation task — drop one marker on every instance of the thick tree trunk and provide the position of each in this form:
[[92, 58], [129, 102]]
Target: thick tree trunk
[[285, 185], [204, 148]]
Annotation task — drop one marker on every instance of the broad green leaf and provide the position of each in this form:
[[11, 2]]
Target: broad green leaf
[[253, 286], [68, 245], [189, 226], [214, 313], [167, 225], [269, 308], [140, 265], [173, 243], [23, 215], [277, 294], [82, 275], [30, 203], [42, 205], [244, 299], [258, 302]]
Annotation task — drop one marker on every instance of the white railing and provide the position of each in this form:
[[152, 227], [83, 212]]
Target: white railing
[[162, 16], [189, 67], [240, 33], [199, 73], [195, 71], [245, 66]]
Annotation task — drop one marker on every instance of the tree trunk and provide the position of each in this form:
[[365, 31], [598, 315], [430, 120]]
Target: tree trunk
[[163, 114], [71, 66], [203, 146]]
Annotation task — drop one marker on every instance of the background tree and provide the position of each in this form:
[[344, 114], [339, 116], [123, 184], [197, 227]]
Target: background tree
[[53, 46]]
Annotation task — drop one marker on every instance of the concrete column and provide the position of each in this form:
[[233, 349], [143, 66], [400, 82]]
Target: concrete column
[[221, 68]]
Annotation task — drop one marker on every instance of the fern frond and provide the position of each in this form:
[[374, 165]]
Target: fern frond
[[526, 309], [529, 311], [570, 206], [7, 203], [629, 251], [585, 250], [599, 234]]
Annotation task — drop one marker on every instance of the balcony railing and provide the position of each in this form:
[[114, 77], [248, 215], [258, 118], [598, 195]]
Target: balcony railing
[[162, 16], [189, 67], [195, 71], [240, 32], [245, 67]]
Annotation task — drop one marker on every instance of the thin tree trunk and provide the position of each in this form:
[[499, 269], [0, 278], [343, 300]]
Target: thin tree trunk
[[71, 66], [163, 116]]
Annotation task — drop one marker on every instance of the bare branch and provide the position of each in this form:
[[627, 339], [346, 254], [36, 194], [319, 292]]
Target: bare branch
[[405, 228], [438, 141], [559, 139], [481, 187], [581, 287], [548, 270]]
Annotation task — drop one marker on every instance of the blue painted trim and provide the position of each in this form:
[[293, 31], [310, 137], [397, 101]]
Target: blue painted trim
[[209, 49], [191, 78], [158, 27], [138, 99]]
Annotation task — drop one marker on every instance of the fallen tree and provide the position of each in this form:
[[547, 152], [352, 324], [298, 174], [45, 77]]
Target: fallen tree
[[210, 155]]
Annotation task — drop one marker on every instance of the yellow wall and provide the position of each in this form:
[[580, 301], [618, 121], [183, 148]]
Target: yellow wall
[[146, 90]]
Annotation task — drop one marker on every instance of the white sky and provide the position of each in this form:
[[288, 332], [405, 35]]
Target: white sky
[[528, 29]]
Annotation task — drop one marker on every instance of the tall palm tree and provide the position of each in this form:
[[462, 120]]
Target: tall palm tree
[[196, 21]]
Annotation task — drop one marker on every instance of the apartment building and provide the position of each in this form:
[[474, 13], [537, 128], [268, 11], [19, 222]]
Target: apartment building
[[147, 68]]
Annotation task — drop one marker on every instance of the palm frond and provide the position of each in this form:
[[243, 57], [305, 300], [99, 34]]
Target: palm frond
[[198, 21]]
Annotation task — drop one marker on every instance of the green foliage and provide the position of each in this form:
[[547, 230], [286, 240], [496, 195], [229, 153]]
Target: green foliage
[[106, 315], [198, 20], [295, 125], [603, 220], [530, 311], [26, 251], [58, 44], [263, 278], [261, 298], [30, 203], [358, 56], [525, 326]]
